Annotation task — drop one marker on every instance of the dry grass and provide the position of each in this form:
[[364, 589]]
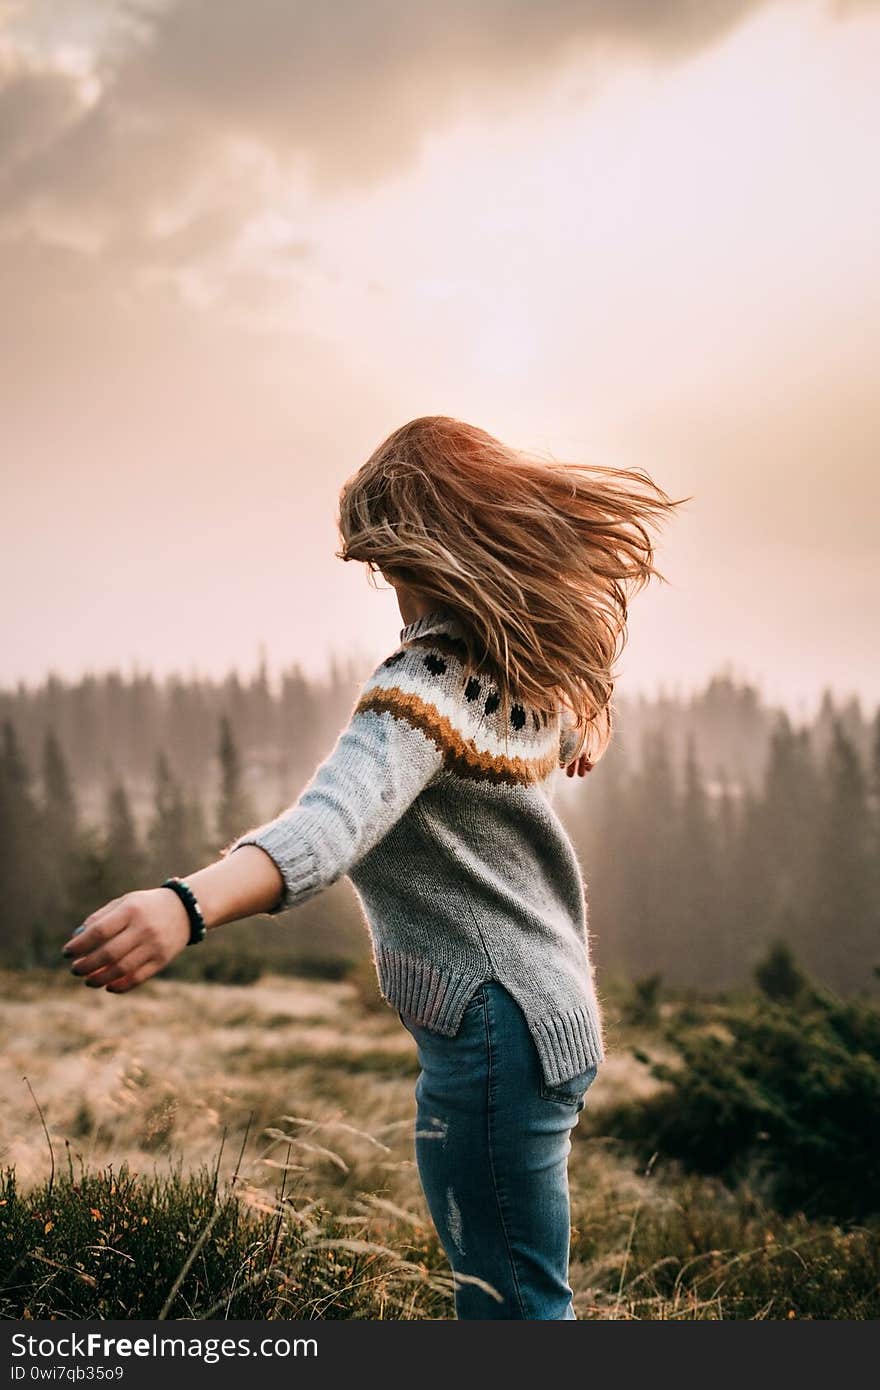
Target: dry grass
[[165, 1070], [320, 1083]]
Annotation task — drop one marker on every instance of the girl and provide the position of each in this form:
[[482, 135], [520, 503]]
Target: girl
[[511, 575]]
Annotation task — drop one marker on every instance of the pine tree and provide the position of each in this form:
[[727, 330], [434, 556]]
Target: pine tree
[[788, 822], [842, 913], [125, 863], [59, 803], [728, 901], [235, 812], [167, 831], [874, 844], [697, 878], [651, 927], [61, 870], [197, 844], [19, 842]]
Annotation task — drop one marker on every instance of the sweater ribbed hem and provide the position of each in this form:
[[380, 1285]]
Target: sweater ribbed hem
[[568, 1043], [436, 999]]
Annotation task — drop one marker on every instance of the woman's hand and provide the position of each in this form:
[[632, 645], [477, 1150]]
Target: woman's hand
[[581, 766], [128, 940]]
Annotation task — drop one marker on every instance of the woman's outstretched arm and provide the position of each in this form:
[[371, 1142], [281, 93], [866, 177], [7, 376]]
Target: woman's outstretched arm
[[381, 762], [133, 937]]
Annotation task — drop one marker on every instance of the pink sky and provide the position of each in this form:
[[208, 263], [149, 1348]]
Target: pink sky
[[239, 248]]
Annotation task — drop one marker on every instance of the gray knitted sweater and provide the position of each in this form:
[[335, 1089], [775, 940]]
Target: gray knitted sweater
[[447, 832]]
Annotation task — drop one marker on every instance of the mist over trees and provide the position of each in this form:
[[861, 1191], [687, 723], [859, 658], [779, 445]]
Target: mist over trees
[[695, 877], [713, 827]]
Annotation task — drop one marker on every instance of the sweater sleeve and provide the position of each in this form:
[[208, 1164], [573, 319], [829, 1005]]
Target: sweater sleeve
[[380, 763]]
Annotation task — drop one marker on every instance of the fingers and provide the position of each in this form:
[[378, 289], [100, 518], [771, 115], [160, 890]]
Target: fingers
[[106, 952], [580, 767], [127, 941], [108, 958], [98, 929], [138, 976], [116, 971]]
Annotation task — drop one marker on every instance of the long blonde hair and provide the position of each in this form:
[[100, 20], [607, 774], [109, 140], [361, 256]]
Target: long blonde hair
[[536, 557]]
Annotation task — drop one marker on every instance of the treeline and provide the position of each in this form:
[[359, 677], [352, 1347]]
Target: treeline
[[695, 883], [112, 725], [56, 867], [712, 827]]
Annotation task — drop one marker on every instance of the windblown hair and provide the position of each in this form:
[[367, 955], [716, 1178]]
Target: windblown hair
[[537, 558]]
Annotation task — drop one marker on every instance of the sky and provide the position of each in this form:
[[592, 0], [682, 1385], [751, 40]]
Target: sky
[[240, 244]]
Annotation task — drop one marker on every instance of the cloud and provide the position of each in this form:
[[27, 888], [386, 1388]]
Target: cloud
[[199, 105], [842, 9], [155, 137], [35, 108], [353, 87]]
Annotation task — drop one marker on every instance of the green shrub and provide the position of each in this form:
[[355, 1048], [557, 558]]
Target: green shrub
[[317, 967], [124, 1245], [642, 1008], [217, 964], [786, 1094], [695, 1248], [111, 1245], [778, 974], [242, 965]]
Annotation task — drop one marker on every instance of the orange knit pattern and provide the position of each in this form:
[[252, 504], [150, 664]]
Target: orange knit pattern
[[460, 754]]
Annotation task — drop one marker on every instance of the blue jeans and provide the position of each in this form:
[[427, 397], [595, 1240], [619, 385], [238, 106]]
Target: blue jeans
[[492, 1146]]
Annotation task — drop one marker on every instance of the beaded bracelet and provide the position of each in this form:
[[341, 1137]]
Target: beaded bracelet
[[197, 928]]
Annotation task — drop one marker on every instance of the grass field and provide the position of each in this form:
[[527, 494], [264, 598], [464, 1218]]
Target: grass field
[[248, 1152]]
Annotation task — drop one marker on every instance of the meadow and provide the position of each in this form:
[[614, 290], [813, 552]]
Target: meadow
[[197, 1150]]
